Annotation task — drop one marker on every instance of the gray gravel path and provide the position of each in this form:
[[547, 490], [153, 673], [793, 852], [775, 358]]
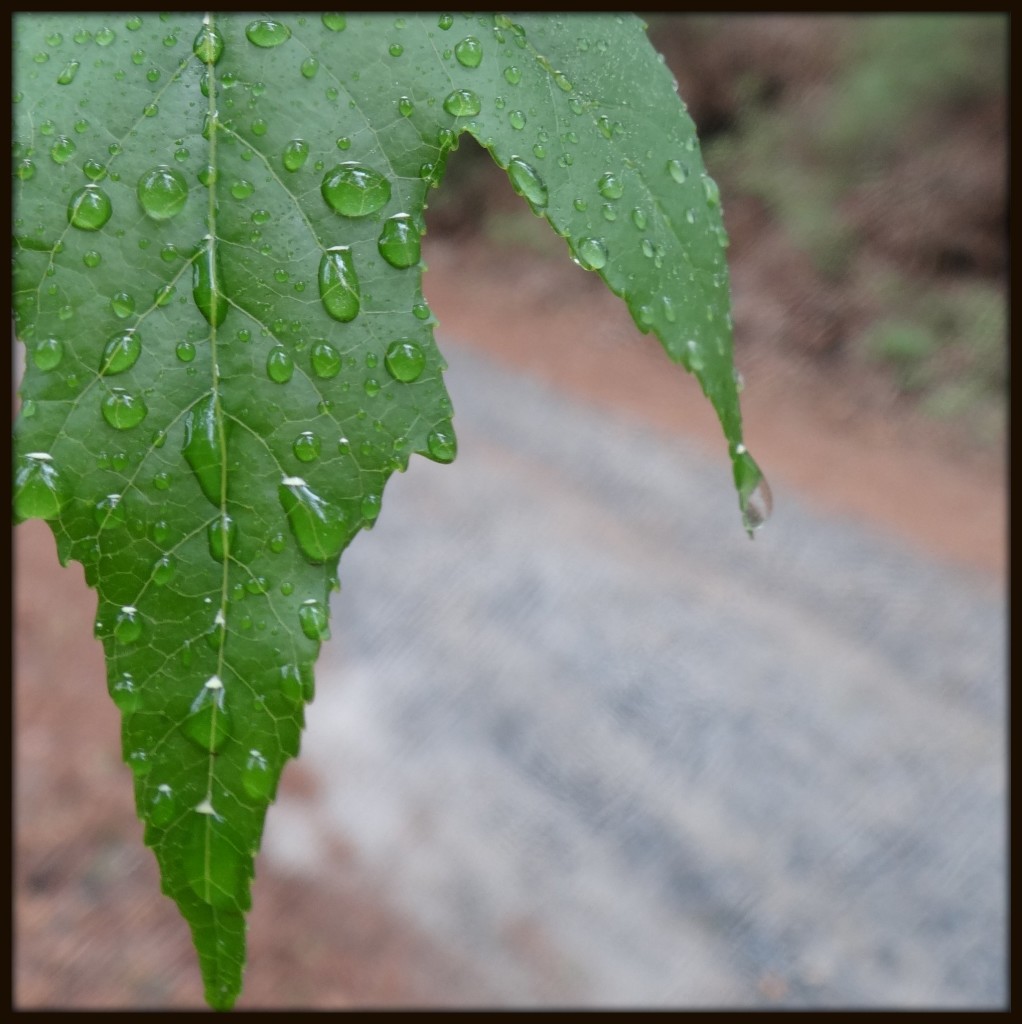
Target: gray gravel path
[[613, 754]]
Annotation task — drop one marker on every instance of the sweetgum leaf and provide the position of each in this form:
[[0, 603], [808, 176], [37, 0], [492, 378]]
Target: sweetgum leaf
[[218, 282]]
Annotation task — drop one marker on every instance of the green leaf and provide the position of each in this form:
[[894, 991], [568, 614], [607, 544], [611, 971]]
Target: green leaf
[[218, 282]]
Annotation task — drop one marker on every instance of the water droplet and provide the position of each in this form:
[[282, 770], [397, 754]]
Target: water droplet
[[277, 543], [123, 410], [591, 253], [313, 618], [259, 127], [334, 22], [150, 110], [267, 33], [442, 446], [354, 190], [164, 569], [395, 49], [371, 387], [445, 21], [214, 861], [712, 192], [203, 447], [139, 763], [89, 208], [462, 103], [517, 120], [120, 353], [754, 495], [39, 491], [610, 186], [469, 52], [257, 779], [25, 170], [67, 76], [296, 152], [221, 534], [105, 36], [92, 259], [320, 528], [306, 446], [405, 107], [207, 722], [207, 284], [512, 75], [162, 192], [125, 693], [678, 171], [371, 508], [405, 360], [162, 806], [309, 67], [208, 44], [109, 511], [122, 305], [185, 351], [338, 283], [48, 353], [528, 183], [279, 366], [399, 242], [128, 627]]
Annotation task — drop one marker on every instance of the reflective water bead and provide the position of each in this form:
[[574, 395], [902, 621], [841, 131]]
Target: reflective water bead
[[469, 52], [405, 360], [338, 284], [162, 807], [355, 190], [125, 694], [267, 33], [320, 527], [306, 446], [399, 242], [313, 618], [121, 352], [207, 722], [334, 22], [39, 491], [528, 183], [207, 284], [257, 778], [164, 569], [309, 67], [122, 305], [208, 44], [221, 534], [123, 410], [462, 103], [48, 353], [442, 446], [128, 626], [591, 253], [203, 447], [296, 152], [89, 208], [279, 365]]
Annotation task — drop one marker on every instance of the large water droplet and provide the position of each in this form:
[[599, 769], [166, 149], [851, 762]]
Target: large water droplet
[[121, 352], [162, 192], [221, 534], [334, 22], [207, 722], [67, 76], [128, 625], [441, 445], [279, 365], [610, 186], [405, 360], [321, 528], [267, 33], [215, 861], [591, 253], [469, 52], [338, 284], [306, 446], [89, 208], [207, 284], [528, 183], [354, 190], [326, 360], [313, 618], [208, 44], [122, 305], [203, 447], [123, 410], [257, 778], [296, 152], [462, 103], [162, 806], [125, 693], [39, 491], [48, 353], [399, 241]]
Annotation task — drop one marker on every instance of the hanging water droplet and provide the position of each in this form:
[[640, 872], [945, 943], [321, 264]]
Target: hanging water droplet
[[338, 284], [296, 152], [610, 186], [162, 807], [256, 778], [203, 447], [48, 353], [306, 446], [313, 618], [442, 446], [221, 534], [462, 103], [267, 33], [207, 722], [469, 52], [528, 183], [128, 626], [207, 284], [399, 241], [320, 528], [125, 693], [354, 190], [123, 410], [39, 491], [121, 352], [215, 862], [89, 208], [591, 253], [405, 360], [755, 498], [279, 366]]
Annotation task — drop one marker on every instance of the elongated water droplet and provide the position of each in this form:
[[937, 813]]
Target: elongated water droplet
[[208, 44], [754, 494], [215, 862], [39, 491], [89, 208], [162, 806], [528, 183], [355, 190], [405, 360], [310, 67], [313, 618], [123, 410], [279, 365], [203, 447], [128, 626], [207, 284], [162, 192], [338, 284], [257, 778], [67, 76], [296, 152], [399, 241], [221, 534], [207, 722], [48, 354], [320, 528], [591, 253], [267, 33], [121, 352], [164, 569], [441, 445], [469, 52], [462, 103], [712, 192]]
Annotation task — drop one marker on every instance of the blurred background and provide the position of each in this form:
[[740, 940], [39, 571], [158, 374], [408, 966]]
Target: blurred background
[[576, 741]]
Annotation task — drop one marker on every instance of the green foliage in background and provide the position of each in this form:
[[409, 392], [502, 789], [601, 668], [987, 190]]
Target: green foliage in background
[[218, 283]]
